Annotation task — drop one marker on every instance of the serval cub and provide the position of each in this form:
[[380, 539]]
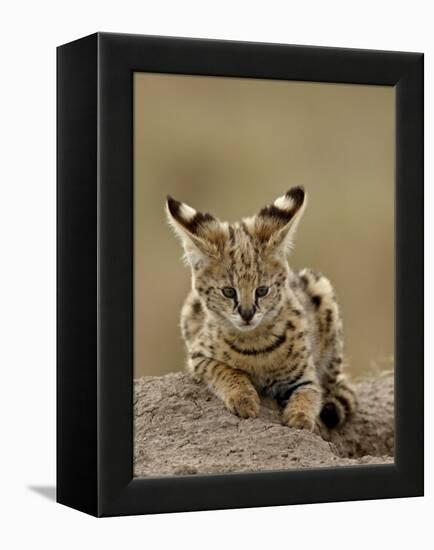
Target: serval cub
[[254, 326]]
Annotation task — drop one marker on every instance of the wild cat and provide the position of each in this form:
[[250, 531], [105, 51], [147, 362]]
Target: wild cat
[[254, 326]]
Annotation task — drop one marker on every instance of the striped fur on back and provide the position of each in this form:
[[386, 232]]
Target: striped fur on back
[[252, 325]]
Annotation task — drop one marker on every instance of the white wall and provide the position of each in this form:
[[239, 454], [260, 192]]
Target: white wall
[[29, 33]]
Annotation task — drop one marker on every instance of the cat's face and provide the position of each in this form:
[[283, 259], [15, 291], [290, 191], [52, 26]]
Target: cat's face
[[240, 270], [244, 285]]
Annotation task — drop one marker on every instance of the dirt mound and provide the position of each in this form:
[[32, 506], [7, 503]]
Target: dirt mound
[[181, 428]]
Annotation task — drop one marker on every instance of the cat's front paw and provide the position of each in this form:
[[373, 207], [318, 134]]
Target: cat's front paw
[[299, 420], [243, 403]]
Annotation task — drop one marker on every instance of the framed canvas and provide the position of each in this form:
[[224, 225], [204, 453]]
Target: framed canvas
[[239, 387]]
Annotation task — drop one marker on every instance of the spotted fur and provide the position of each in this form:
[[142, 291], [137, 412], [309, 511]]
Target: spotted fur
[[287, 343]]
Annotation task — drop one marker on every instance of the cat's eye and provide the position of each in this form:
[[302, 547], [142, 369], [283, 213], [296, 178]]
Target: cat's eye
[[229, 292], [261, 291]]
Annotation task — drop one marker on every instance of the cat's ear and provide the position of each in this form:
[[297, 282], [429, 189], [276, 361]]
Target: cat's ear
[[276, 224], [202, 235]]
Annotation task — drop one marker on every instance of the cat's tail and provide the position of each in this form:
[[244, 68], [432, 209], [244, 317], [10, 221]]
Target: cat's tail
[[339, 404]]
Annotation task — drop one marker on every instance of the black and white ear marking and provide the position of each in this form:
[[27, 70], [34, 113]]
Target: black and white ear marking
[[277, 223], [201, 234], [191, 220], [284, 208]]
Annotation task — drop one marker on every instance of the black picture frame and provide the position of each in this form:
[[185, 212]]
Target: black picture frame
[[95, 274]]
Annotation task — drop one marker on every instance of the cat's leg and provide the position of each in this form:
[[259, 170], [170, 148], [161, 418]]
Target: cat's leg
[[304, 406], [231, 385]]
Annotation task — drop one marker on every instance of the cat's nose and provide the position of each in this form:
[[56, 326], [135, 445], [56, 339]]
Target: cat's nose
[[247, 313]]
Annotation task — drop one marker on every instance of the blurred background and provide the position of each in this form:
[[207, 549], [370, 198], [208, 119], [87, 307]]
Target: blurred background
[[230, 146]]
